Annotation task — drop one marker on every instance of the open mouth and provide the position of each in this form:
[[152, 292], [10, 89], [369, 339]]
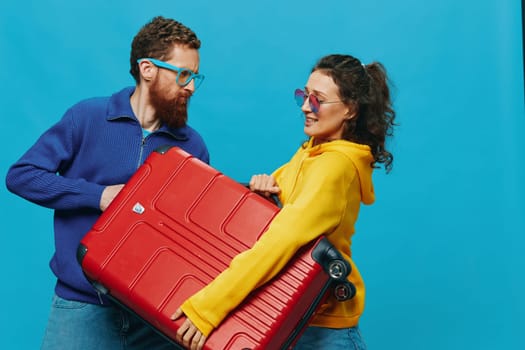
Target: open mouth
[[310, 121]]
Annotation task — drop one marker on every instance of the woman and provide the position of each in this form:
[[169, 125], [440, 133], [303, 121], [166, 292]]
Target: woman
[[348, 115]]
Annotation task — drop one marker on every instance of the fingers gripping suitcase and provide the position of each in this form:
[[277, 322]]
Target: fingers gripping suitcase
[[176, 225]]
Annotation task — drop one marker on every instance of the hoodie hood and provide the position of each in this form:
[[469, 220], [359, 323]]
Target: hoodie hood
[[361, 157]]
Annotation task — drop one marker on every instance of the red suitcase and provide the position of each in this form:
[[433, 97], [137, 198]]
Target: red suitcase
[[175, 226]]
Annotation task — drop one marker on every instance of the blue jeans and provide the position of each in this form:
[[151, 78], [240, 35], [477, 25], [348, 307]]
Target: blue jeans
[[317, 338], [75, 325]]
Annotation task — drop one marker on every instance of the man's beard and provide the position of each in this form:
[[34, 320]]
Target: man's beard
[[172, 112]]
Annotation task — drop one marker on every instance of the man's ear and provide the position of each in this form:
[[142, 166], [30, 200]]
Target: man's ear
[[147, 70]]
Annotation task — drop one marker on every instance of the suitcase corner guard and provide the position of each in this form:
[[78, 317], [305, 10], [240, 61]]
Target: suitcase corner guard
[[163, 149], [81, 253]]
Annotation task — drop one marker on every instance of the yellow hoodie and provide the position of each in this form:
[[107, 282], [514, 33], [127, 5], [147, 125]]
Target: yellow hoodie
[[321, 190]]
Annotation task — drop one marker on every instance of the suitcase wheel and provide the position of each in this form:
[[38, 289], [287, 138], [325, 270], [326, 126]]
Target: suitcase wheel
[[338, 270], [344, 291]]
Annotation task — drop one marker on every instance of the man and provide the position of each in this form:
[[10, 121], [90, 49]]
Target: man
[[80, 164]]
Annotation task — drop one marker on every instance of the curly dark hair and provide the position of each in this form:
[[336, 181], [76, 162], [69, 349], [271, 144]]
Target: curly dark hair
[[157, 38], [365, 88]]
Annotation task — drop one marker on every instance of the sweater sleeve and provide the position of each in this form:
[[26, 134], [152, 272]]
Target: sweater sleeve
[[36, 176], [314, 208]]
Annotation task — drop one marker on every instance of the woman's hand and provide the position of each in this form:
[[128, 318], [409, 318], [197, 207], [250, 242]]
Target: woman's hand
[[188, 335], [264, 184]]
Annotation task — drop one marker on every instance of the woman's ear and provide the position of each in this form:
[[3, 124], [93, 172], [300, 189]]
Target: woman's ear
[[351, 112], [350, 116]]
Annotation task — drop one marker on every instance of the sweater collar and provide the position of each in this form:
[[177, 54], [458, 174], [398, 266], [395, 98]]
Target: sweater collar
[[120, 108]]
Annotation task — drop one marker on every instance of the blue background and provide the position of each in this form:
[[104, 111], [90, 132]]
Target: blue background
[[441, 250]]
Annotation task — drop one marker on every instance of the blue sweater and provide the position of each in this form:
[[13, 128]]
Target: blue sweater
[[98, 142]]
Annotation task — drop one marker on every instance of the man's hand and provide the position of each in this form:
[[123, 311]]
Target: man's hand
[[109, 193], [188, 335]]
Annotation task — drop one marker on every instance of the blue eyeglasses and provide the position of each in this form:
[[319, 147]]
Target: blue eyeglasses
[[184, 75]]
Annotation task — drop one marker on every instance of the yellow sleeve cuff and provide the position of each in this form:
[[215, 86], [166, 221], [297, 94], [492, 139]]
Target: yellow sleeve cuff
[[204, 326]]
